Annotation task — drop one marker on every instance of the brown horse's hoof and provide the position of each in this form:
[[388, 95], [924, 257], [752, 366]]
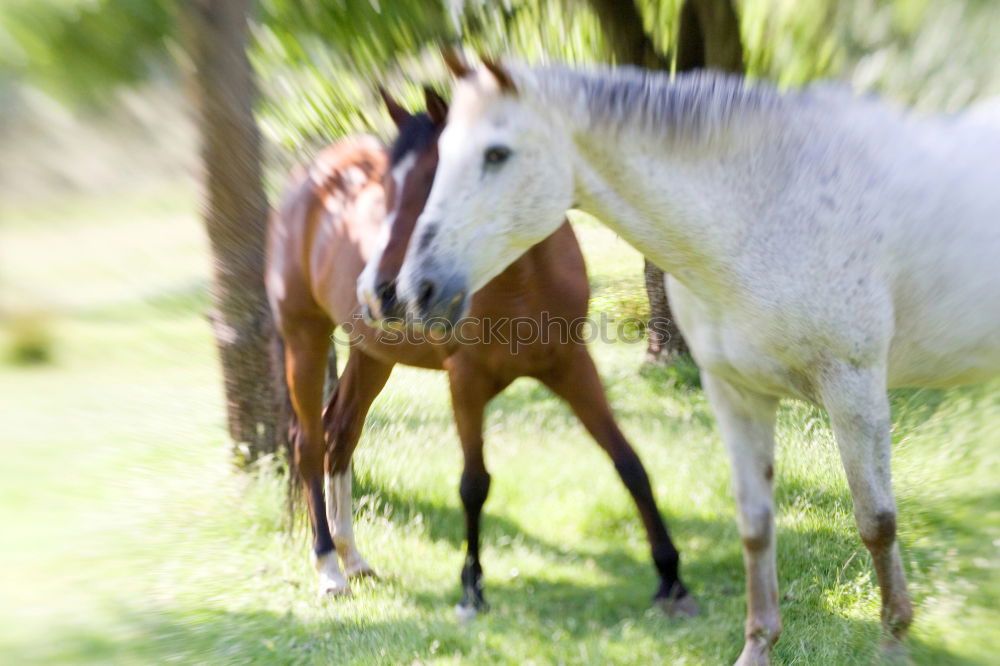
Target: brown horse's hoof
[[363, 571], [466, 612], [685, 606], [338, 591]]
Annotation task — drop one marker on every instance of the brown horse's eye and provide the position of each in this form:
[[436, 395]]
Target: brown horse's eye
[[496, 155]]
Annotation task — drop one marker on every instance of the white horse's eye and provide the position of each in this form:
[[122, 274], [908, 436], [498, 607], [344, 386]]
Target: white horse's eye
[[496, 155]]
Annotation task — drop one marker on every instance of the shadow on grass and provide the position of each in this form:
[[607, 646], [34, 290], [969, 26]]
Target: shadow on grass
[[545, 620], [824, 571], [814, 563]]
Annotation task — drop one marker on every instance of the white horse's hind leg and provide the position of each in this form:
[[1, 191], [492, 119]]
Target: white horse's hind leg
[[746, 422], [859, 412], [339, 505]]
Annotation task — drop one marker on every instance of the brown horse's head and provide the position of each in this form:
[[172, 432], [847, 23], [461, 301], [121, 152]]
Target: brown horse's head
[[413, 158]]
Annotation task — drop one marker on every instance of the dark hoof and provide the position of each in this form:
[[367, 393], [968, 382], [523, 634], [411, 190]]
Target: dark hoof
[[686, 606], [677, 603], [472, 604]]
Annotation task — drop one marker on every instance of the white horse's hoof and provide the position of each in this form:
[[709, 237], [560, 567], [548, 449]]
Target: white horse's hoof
[[466, 613], [755, 653]]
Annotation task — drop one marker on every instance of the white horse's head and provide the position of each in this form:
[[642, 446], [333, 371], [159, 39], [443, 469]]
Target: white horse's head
[[503, 184]]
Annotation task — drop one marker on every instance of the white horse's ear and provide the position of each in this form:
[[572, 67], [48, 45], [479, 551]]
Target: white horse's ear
[[437, 108], [454, 62], [398, 114], [500, 74]]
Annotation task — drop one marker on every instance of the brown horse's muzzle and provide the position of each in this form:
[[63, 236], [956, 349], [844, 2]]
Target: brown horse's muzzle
[[388, 304]]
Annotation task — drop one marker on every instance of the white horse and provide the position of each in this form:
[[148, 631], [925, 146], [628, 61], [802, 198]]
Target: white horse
[[820, 247]]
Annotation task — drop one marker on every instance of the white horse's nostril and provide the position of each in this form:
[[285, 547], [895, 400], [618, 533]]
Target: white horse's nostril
[[426, 294]]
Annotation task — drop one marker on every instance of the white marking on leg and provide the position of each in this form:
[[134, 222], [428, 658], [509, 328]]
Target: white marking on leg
[[332, 581], [466, 613], [339, 505]]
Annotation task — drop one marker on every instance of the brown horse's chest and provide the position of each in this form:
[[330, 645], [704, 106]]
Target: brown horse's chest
[[517, 328]]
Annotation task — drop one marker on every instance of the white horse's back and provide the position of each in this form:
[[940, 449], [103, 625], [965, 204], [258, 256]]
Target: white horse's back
[[945, 266]]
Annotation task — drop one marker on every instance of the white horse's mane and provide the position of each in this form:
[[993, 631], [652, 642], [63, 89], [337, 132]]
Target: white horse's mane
[[689, 105]]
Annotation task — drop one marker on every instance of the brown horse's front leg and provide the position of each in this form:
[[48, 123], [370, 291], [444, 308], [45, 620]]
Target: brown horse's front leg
[[575, 379], [471, 388], [363, 379], [307, 342]]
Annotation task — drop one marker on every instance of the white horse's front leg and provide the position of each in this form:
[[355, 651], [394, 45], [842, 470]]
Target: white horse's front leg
[[746, 422], [339, 506], [856, 401]]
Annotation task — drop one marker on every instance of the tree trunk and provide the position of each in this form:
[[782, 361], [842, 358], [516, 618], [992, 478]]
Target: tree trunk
[[719, 32], [708, 35], [235, 214], [622, 24]]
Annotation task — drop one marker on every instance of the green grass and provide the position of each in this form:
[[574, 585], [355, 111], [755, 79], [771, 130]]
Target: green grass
[[128, 537]]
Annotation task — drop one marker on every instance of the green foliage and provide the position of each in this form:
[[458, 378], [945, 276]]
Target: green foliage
[[934, 55], [319, 60], [369, 34], [622, 302], [80, 48], [681, 373], [319, 76]]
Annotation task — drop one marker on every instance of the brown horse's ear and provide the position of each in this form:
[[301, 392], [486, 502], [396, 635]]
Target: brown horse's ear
[[454, 62], [398, 114], [437, 108], [500, 74]]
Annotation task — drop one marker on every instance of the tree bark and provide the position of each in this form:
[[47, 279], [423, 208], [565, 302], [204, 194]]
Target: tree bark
[[719, 32], [235, 213], [708, 36], [630, 44], [622, 25]]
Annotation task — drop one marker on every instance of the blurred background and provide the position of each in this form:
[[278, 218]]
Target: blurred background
[[141, 490]]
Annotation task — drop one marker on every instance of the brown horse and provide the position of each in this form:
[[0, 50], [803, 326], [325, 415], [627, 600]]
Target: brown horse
[[332, 217]]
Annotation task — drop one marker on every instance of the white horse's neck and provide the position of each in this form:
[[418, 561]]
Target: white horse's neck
[[663, 188], [666, 221]]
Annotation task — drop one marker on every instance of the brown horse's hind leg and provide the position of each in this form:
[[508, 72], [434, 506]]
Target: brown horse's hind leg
[[307, 341], [471, 389], [577, 382], [344, 418]]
